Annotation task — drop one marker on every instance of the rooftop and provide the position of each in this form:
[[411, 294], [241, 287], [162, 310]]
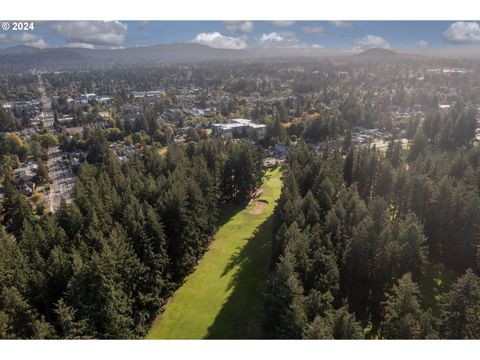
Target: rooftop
[[239, 122]]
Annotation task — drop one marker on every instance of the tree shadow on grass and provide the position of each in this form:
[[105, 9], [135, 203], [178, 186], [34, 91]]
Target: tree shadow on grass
[[227, 212], [241, 315]]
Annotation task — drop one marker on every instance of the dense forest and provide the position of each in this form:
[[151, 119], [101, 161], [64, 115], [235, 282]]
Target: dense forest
[[102, 266], [368, 242], [361, 235]]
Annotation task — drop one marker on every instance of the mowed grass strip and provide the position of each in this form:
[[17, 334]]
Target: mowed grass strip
[[221, 296]]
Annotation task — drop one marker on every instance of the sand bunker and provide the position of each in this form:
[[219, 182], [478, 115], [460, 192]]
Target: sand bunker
[[257, 193], [258, 207]]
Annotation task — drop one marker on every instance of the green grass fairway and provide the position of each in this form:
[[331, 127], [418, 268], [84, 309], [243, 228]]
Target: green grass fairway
[[222, 297]]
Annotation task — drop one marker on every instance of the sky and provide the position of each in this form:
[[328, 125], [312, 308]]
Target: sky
[[352, 35]]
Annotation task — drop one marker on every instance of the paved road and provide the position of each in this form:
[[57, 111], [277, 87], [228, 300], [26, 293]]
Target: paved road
[[60, 173], [62, 179], [47, 114]]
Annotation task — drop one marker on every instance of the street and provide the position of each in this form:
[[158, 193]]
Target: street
[[61, 176], [62, 179]]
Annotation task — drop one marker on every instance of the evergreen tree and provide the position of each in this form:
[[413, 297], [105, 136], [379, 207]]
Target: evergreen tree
[[285, 305], [461, 308], [337, 324], [404, 317]]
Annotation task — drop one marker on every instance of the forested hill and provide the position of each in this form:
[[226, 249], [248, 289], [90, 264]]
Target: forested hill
[[365, 242], [103, 265]]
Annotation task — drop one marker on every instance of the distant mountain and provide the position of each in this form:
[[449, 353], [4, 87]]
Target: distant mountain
[[377, 54], [178, 52], [20, 49], [25, 56]]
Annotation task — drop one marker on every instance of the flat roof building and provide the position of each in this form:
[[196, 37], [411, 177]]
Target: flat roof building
[[238, 128]]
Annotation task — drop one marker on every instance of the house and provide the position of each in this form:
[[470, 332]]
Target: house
[[27, 172], [65, 119], [228, 131], [178, 139], [27, 189], [75, 162], [270, 163], [104, 99], [148, 94], [194, 112], [281, 150], [89, 97]]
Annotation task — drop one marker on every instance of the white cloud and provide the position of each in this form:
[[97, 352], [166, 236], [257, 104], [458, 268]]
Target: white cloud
[[317, 46], [315, 30], [238, 26], [80, 45], [462, 32], [342, 24], [284, 39], [38, 43], [371, 41], [282, 23], [97, 33], [217, 40], [421, 43], [25, 38]]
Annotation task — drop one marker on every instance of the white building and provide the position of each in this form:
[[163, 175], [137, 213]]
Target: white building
[[237, 128], [89, 97]]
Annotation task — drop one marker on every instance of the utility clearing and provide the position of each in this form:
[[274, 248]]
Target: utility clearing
[[222, 298]]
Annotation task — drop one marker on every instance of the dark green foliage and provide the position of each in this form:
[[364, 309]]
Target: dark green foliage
[[337, 324], [7, 121], [286, 304], [394, 153], [69, 326], [242, 171], [97, 147], [16, 210], [348, 231], [42, 172], [102, 287], [458, 127], [102, 266], [418, 147], [461, 308], [19, 320], [404, 317]]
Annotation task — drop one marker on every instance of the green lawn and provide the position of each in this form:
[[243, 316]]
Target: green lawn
[[222, 297]]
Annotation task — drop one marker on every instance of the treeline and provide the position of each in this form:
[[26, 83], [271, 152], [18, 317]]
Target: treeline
[[358, 235], [17, 86], [102, 266]]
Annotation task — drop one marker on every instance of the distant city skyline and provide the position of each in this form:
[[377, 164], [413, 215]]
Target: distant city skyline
[[354, 35]]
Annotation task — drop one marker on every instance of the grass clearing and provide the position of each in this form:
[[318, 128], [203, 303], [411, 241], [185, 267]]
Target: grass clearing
[[222, 298]]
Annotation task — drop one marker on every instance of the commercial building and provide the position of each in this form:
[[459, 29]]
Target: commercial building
[[238, 128]]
